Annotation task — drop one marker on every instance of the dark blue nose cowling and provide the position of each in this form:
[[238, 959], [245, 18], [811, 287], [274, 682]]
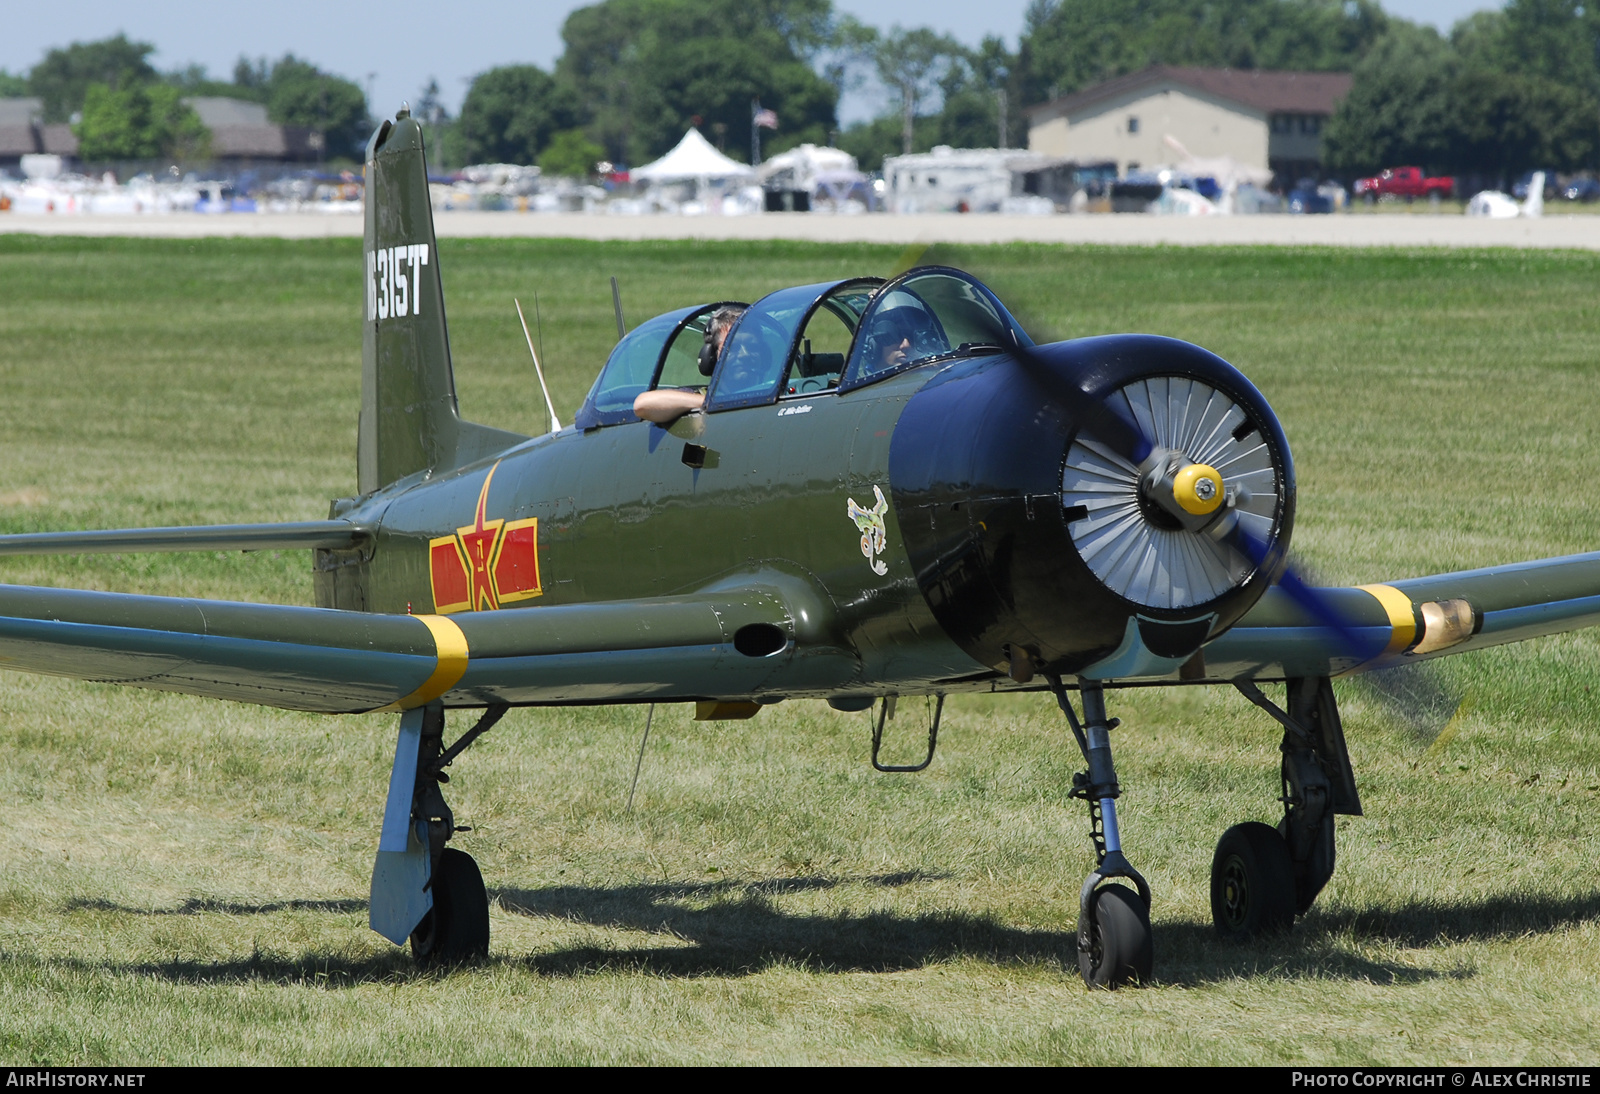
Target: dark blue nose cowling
[[976, 468]]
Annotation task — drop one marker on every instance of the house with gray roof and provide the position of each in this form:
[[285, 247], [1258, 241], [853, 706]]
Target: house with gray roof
[[24, 132], [1272, 120], [241, 133]]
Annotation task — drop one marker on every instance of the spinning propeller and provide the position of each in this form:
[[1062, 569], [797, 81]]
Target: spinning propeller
[[1182, 503]]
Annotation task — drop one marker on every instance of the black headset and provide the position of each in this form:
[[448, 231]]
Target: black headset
[[708, 351]]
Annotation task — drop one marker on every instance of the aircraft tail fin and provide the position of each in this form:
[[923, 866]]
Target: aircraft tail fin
[[1533, 204], [410, 421]]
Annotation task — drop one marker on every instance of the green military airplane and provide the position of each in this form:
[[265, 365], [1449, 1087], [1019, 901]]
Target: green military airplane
[[854, 491]]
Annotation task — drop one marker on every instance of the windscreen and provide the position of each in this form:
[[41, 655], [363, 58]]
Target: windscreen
[[939, 313], [629, 370]]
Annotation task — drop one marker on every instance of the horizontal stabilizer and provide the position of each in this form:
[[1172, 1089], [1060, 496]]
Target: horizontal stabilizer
[[301, 535]]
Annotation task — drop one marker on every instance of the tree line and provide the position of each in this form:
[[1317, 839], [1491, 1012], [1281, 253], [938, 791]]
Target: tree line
[[1503, 92], [121, 108]]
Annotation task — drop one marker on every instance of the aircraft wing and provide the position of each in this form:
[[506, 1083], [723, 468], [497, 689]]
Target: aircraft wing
[[1409, 620], [731, 642]]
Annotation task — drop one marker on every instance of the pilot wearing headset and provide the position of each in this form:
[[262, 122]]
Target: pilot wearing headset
[[717, 328], [901, 331]]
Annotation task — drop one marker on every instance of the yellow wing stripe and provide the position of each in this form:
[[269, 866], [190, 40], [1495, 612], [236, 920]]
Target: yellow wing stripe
[[1402, 615], [451, 645]]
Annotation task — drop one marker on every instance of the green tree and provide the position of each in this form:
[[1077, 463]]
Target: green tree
[[978, 89], [869, 142], [12, 87], [138, 123], [646, 70], [438, 127], [62, 79], [570, 154], [910, 63], [1399, 109], [1553, 40], [299, 93], [1070, 44], [1507, 123], [510, 115], [194, 81], [1468, 106]]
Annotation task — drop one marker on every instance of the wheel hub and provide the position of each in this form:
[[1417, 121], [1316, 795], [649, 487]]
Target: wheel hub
[[1236, 892]]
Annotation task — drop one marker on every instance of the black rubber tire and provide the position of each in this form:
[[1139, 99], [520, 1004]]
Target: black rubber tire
[[1121, 950], [457, 929], [1252, 883]]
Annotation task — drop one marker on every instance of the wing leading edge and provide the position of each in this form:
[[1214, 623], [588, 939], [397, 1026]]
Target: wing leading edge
[[315, 659], [1402, 621]]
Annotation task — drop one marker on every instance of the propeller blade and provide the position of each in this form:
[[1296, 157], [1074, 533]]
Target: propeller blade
[[1105, 422], [1101, 419], [1416, 693], [1419, 695]]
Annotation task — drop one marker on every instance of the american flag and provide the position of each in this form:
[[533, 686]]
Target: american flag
[[766, 119]]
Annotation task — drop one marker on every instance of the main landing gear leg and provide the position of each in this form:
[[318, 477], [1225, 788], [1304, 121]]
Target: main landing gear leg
[[421, 888], [1114, 938], [1262, 877]]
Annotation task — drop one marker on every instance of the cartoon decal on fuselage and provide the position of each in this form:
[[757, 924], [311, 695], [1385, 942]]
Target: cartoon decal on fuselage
[[487, 564], [874, 536]]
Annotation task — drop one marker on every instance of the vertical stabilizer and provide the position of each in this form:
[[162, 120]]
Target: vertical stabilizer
[[409, 418], [1533, 204]]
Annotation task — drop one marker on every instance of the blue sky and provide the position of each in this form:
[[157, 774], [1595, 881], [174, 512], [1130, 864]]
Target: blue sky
[[401, 43]]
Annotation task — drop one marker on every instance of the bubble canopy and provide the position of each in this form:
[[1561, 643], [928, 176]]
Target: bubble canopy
[[772, 343], [659, 352], [926, 314]]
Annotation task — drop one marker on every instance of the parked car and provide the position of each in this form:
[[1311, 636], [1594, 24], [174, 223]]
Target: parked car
[[1404, 182], [1308, 197]]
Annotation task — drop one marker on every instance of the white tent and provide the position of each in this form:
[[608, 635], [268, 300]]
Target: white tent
[[694, 158]]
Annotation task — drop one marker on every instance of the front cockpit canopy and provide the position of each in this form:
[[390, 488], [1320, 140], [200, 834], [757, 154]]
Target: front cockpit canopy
[[926, 314]]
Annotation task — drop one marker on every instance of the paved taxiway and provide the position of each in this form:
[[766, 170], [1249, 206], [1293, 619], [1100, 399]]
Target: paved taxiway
[[1420, 229]]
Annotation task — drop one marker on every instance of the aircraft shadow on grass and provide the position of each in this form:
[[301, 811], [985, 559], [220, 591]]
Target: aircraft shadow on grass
[[733, 928]]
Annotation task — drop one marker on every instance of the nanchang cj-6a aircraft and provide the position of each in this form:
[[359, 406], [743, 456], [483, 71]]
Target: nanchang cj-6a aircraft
[[866, 490]]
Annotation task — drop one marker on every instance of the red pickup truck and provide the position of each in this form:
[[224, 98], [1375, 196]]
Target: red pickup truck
[[1405, 182]]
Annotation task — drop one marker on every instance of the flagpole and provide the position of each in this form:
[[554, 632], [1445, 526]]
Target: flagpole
[[755, 133]]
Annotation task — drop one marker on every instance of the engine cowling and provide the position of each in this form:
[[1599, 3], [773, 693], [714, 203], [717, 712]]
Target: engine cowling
[[1038, 548]]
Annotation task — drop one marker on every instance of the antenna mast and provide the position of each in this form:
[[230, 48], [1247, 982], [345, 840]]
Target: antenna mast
[[555, 423], [616, 302]]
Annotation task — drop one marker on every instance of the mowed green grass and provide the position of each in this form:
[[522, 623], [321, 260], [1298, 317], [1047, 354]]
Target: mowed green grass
[[183, 881]]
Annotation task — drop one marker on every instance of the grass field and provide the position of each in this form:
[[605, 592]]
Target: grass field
[[183, 881]]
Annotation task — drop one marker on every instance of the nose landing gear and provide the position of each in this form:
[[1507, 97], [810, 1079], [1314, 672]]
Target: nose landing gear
[[1115, 946]]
